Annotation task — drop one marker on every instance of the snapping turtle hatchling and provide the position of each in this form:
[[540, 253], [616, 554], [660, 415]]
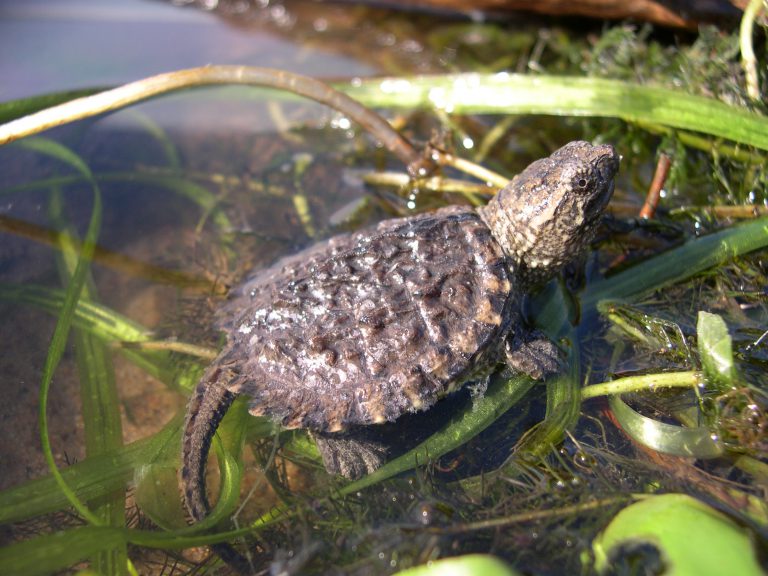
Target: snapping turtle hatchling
[[365, 327]]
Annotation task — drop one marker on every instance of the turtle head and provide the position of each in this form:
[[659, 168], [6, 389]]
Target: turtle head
[[549, 212]]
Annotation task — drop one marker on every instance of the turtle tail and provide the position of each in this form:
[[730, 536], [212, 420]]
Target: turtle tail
[[207, 407]]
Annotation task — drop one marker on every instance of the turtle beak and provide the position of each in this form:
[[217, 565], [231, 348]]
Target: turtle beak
[[607, 165], [607, 161]]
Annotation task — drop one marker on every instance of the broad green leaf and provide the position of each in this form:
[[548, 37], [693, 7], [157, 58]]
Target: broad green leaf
[[506, 93], [470, 565], [715, 351], [692, 538], [697, 442]]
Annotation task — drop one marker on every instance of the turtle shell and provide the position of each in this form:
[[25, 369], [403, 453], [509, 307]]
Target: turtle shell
[[365, 327]]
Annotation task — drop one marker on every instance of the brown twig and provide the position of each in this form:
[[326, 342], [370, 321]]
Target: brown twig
[[654, 191]]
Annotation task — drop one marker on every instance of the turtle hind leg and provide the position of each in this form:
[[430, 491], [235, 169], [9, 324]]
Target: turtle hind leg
[[533, 354], [351, 455], [361, 450], [207, 407]]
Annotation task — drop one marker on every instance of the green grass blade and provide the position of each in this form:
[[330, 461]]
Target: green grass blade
[[505, 93], [91, 479], [161, 136], [562, 413], [467, 424], [55, 552], [564, 96], [14, 109], [97, 319], [687, 442], [698, 255], [101, 414], [461, 429], [208, 202], [98, 391], [108, 326], [715, 351], [52, 553], [74, 289], [563, 392]]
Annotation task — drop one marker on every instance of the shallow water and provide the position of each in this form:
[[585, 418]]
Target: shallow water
[[215, 182], [213, 135]]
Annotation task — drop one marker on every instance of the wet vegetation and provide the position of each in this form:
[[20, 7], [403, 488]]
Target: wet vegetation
[[665, 322]]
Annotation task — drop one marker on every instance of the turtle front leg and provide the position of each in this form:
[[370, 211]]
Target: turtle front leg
[[534, 354]]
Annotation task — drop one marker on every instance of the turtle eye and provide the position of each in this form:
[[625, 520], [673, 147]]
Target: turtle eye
[[583, 184]]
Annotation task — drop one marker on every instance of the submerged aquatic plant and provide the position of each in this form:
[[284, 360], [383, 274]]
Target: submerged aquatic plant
[[444, 503]]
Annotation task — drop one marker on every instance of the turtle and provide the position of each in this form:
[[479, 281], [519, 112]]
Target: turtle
[[366, 327]]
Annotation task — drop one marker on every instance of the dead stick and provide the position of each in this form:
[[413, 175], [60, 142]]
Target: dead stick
[[654, 192]]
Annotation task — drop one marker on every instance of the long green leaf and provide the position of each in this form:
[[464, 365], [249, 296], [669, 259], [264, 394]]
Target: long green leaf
[[715, 351], [108, 326], [679, 264], [505, 93], [74, 289], [697, 442], [90, 479], [14, 109], [52, 553], [464, 426], [97, 319], [565, 96], [98, 391]]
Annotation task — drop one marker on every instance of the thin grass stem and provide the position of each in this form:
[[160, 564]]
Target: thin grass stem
[[127, 94], [646, 382]]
